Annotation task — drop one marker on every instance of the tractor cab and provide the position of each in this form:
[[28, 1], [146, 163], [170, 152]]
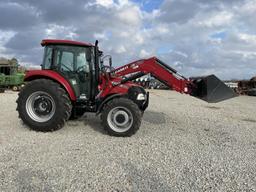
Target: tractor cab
[[75, 61]]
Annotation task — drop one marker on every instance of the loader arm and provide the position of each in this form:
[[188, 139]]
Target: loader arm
[[208, 88], [158, 69]]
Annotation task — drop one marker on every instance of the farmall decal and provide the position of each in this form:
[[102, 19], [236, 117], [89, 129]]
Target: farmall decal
[[122, 69], [132, 66]]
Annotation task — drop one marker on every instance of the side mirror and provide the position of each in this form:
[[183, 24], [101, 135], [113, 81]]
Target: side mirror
[[109, 61]]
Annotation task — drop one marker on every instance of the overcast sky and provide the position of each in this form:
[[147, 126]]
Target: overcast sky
[[197, 37]]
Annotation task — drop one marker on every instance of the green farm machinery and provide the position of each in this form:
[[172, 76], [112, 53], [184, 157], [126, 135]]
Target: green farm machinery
[[11, 77]]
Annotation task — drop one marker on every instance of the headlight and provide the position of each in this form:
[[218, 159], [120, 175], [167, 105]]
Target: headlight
[[141, 97]]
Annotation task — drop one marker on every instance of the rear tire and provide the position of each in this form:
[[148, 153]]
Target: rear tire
[[121, 117], [43, 105]]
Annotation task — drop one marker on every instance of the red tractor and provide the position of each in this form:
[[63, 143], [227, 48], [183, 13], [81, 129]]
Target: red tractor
[[73, 80]]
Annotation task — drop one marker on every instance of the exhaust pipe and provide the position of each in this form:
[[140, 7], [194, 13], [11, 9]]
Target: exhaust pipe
[[210, 89]]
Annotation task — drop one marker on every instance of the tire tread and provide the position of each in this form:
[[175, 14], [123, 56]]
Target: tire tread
[[63, 101], [137, 116]]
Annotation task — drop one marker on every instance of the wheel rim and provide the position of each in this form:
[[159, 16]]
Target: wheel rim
[[40, 106], [120, 119]]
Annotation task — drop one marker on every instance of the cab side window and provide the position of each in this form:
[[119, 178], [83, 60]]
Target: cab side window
[[65, 61]]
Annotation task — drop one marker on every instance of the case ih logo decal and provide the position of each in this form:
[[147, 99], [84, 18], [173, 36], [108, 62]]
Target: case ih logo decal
[[133, 66]]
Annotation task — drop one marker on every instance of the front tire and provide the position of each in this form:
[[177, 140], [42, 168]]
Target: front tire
[[43, 105], [121, 117]]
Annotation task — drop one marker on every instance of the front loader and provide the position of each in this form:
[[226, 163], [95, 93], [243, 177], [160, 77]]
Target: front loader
[[73, 80]]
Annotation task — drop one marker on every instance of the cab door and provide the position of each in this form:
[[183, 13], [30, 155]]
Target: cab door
[[72, 64], [82, 69]]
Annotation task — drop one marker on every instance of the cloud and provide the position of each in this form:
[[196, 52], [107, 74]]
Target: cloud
[[144, 53], [105, 3], [216, 20], [195, 36], [178, 11]]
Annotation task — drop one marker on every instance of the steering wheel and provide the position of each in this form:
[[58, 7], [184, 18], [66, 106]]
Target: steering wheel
[[80, 69], [82, 74]]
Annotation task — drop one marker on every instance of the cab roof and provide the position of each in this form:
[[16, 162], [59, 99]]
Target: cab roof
[[64, 42]]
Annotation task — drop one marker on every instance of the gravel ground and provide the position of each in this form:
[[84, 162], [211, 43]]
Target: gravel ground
[[184, 144]]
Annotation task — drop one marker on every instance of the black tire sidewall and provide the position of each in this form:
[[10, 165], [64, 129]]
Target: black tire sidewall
[[57, 120], [129, 105]]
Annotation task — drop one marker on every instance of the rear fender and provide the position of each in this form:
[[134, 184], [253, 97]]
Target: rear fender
[[49, 74]]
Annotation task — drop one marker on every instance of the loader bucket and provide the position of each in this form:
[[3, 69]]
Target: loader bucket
[[211, 89]]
